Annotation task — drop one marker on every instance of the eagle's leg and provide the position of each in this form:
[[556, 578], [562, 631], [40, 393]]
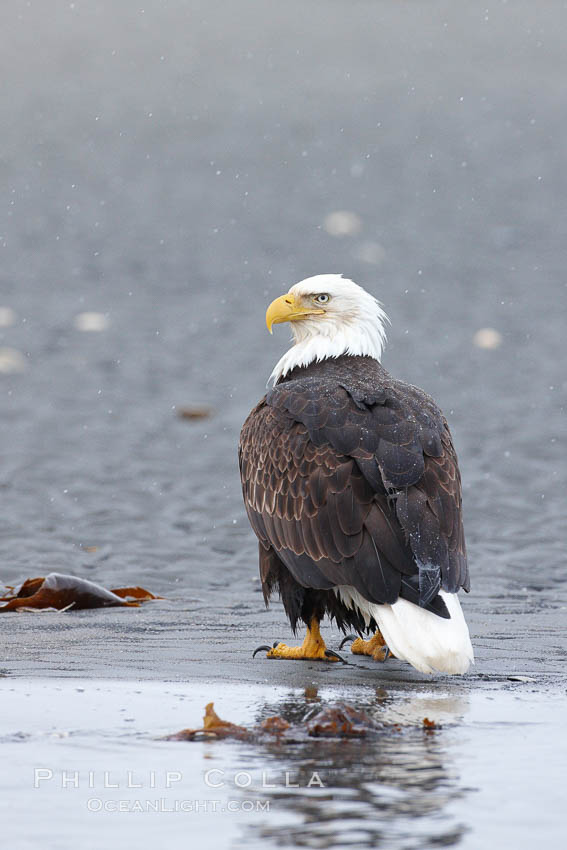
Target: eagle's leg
[[312, 647], [375, 647]]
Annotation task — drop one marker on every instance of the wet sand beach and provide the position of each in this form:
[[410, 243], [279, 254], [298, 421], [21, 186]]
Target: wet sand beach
[[169, 169]]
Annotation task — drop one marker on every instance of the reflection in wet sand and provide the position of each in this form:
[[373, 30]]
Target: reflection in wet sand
[[388, 791]]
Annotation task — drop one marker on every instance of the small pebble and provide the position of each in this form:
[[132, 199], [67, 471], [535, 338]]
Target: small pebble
[[194, 412]]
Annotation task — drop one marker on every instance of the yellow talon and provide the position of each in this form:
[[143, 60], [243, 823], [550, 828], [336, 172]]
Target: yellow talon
[[313, 647], [375, 647]]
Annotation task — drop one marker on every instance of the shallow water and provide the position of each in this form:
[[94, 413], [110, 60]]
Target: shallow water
[[92, 759]]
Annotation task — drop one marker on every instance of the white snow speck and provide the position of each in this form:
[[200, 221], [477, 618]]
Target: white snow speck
[[370, 252], [7, 317], [91, 322], [11, 361], [342, 223], [487, 338]]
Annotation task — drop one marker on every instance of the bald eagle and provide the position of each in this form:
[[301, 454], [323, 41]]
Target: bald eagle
[[351, 484]]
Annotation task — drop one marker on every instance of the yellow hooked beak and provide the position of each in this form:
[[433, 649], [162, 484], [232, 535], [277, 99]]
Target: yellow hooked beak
[[287, 308]]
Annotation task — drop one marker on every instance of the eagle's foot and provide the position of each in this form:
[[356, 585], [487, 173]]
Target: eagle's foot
[[313, 648], [375, 647], [282, 650]]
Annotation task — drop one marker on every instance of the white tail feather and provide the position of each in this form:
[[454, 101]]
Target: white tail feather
[[428, 642]]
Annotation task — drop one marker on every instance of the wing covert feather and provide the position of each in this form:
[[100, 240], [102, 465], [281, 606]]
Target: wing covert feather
[[364, 484]]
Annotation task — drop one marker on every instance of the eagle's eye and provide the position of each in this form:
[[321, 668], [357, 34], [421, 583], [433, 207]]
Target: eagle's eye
[[323, 298]]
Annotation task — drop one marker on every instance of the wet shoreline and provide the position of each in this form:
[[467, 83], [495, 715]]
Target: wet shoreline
[[97, 753]]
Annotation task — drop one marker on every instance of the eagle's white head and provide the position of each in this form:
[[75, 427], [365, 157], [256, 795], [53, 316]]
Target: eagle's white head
[[330, 315]]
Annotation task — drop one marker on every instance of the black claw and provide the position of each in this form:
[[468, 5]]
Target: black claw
[[275, 644], [346, 639], [260, 648], [330, 653], [387, 653]]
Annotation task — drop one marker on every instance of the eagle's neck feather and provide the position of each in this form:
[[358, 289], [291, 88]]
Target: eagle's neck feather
[[316, 341]]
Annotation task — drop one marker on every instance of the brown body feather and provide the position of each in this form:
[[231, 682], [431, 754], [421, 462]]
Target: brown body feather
[[350, 478]]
